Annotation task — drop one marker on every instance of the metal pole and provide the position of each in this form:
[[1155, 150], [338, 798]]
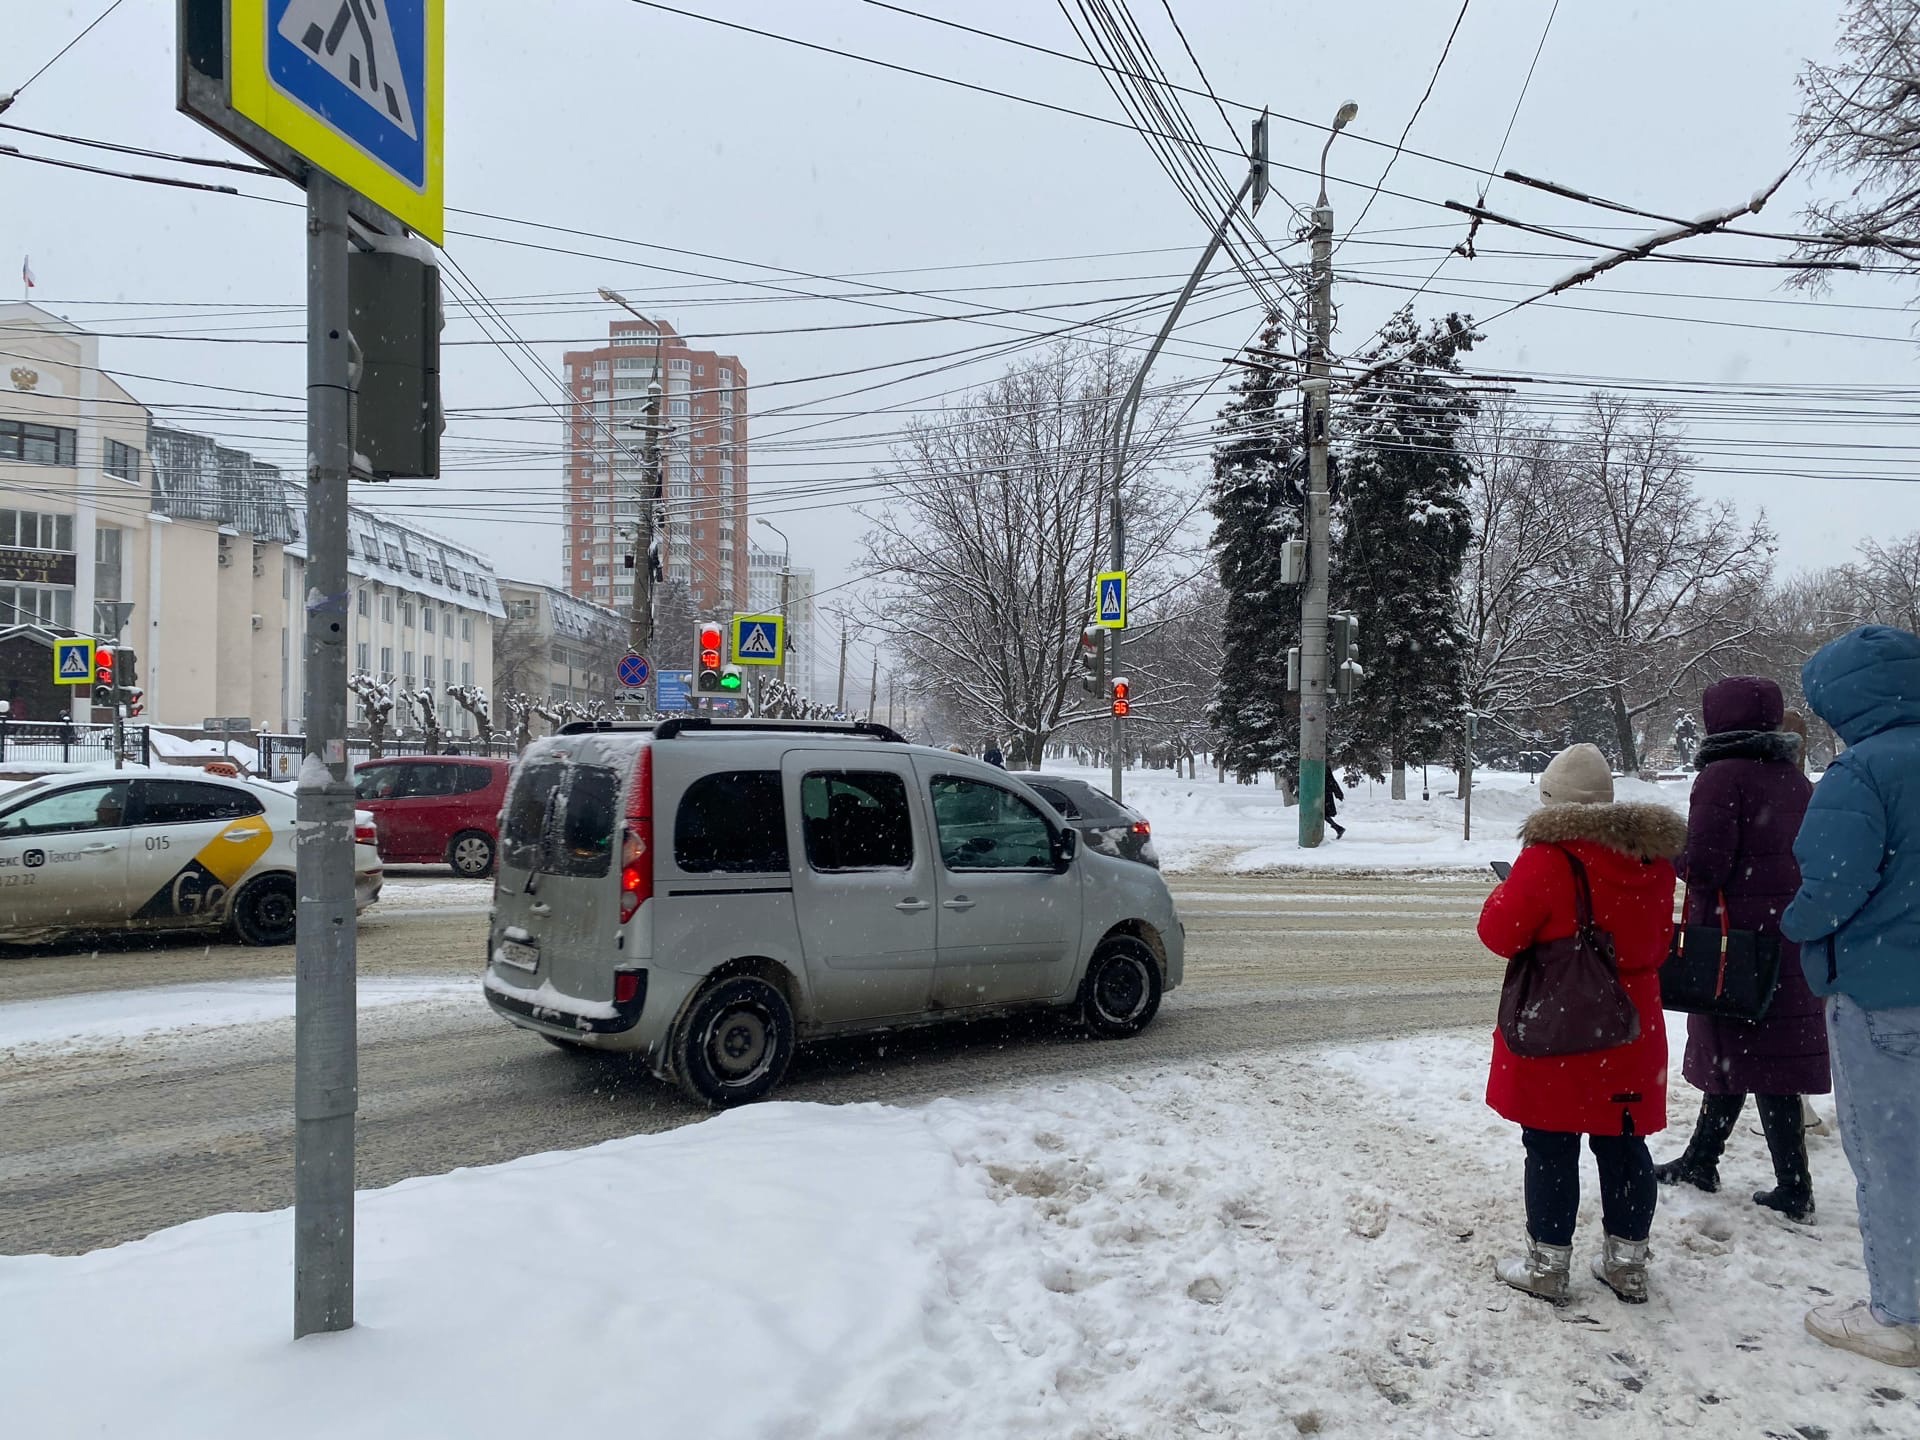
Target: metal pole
[[640, 614], [786, 641], [840, 696], [1313, 603], [873, 688], [325, 1063], [1123, 439]]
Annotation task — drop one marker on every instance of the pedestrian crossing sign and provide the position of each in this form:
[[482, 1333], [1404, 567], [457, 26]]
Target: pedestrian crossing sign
[[1110, 594], [758, 639], [73, 661]]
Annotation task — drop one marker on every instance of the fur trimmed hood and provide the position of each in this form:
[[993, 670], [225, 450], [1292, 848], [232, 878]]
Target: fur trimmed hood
[[1646, 832]]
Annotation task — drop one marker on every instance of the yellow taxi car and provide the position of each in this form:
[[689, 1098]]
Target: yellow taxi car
[[104, 850]]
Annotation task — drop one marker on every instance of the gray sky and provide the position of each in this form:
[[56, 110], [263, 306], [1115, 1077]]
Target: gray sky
[[608, 117]]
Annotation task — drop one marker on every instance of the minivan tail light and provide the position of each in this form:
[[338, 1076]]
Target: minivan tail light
[[1141, 827], [636, 841]]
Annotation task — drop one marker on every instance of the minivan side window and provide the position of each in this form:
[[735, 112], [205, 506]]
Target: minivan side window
[[468, 779], [983, 827], [522, 835], [377, 782], [733, 822], [856, 820]]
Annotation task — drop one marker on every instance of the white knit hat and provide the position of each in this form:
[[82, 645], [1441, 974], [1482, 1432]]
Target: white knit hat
[[1578, 775]]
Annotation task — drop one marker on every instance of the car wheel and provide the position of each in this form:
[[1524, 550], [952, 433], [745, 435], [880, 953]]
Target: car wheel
[[736, 1043], [471, 855], [267, 912], [1122, 990]]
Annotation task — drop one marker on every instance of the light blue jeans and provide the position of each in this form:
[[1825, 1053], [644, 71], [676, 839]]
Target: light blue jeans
[[1876, 1089]]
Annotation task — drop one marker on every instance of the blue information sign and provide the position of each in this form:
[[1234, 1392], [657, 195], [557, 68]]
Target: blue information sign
[[676, 689]]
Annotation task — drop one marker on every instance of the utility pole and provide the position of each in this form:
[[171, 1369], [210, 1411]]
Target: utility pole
[[1313, 602], [326, 1081], [840, 695], [1256, 185], [640, 620], [873, 688]]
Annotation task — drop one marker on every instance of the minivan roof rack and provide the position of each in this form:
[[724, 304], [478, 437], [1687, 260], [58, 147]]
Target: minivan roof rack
[[594, 727], [680, 724]]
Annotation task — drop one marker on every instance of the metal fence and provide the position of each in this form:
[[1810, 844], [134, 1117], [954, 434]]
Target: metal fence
[[280, 754], [62, 741]]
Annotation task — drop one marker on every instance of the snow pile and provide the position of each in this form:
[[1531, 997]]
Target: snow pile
[[1266, 1247], [1203, 825], [103, 1017], [170, 747]]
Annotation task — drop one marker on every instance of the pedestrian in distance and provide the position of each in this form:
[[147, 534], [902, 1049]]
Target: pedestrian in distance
[[1615, 1096], [1738, 866], [993, 756], [1857, 920], [1334, 795]]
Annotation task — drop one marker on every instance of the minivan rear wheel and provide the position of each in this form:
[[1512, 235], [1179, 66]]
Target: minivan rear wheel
[[471, 855], [736, 1042], [1121, 993]]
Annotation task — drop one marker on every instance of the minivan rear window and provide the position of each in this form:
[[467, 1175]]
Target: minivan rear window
[[562, 819], [732, 822]]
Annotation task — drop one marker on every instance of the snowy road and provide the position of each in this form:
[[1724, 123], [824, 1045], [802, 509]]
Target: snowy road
[[111, 1139]]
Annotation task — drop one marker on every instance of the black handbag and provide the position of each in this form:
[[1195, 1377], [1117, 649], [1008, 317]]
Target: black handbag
[[1720, 971], [1564, 997]]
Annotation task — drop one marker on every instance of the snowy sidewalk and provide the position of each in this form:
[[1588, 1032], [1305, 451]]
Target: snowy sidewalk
[[1258, 1248]]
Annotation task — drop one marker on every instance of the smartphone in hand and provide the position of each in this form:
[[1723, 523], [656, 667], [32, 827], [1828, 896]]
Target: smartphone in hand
[[1500, 868]]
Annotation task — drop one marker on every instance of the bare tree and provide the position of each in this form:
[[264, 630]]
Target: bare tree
[[427, 710], [376, 710], [1662, 583], [1513, 587], [985, 560], [1861, 117], [473, 700]]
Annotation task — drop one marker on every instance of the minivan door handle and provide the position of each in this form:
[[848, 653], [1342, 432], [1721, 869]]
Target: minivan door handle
[[913, 906], [959, 902]]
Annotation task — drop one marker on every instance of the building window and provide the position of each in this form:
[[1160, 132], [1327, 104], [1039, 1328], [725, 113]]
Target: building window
[[36, 444], [386, 609], [123, 461], [426, 618], [406, 669], [679, 408], [406, 614], [107, 578], [360, 656], [466, 625], [426, 670], [32, 530], [363, 602], [26, 604], [386, 661]]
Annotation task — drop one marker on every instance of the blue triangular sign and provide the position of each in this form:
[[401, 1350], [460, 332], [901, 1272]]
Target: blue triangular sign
[[73, 661], [756, 641]]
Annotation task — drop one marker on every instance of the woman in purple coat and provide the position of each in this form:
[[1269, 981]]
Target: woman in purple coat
[[1746, 810]]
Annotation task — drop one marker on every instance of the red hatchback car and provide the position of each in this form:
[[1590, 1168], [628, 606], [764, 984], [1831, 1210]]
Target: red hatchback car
[[435, 809]]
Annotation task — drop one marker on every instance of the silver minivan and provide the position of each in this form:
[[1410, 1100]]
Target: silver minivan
[[709, 892]]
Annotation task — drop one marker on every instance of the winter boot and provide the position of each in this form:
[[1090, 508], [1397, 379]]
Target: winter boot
[[1621, 1266], [1699, 1164], [1545, 1271], [1786, 1130]]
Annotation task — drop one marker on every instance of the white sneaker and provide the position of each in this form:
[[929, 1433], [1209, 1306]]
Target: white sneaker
[[1855, 1327]]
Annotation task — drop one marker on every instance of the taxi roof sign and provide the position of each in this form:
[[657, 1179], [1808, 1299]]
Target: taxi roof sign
[[757, 639], [73, 661], [352, 89]]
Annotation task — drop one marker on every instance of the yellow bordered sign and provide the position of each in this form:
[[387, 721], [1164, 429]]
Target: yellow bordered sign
[[358, 97], [757, 639], [73, 661], [1110, 599]]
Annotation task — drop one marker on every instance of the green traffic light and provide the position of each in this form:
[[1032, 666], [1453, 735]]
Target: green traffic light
[[730, 680]]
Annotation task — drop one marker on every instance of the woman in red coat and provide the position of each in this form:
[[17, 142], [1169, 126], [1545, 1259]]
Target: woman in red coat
[[1615, 1097]]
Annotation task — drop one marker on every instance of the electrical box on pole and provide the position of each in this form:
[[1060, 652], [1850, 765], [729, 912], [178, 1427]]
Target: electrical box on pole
[[1293, 670], [1293, 562]]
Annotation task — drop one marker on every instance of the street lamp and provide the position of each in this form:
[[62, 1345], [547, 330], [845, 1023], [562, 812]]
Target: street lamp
[[786, 575], [1342, 118]]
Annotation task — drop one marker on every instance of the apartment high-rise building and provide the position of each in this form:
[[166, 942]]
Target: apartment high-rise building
[[705, 403]]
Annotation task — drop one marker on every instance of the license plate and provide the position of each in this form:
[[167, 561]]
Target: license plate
[[520, 954]]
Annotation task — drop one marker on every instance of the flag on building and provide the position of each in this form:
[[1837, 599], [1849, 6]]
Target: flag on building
[[26, 271]]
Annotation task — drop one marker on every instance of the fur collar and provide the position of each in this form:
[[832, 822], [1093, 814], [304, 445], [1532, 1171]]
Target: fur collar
[[1646, 832], [1778, 746]]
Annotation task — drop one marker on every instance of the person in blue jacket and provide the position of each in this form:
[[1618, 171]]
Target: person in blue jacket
[[1857, 918]]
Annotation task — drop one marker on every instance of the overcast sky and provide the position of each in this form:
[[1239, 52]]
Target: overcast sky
[[608, 117]]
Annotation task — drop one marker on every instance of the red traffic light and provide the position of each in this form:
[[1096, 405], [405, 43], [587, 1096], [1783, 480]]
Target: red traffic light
[[1121, 692], [103, 666], [710, 639]]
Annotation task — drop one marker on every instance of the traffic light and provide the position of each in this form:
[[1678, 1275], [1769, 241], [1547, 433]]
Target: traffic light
[[708, 681], [1121, 690], [1090, 639], [127, 667], [103, 667], [730, 679], [136, 701], [1345, 637]]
